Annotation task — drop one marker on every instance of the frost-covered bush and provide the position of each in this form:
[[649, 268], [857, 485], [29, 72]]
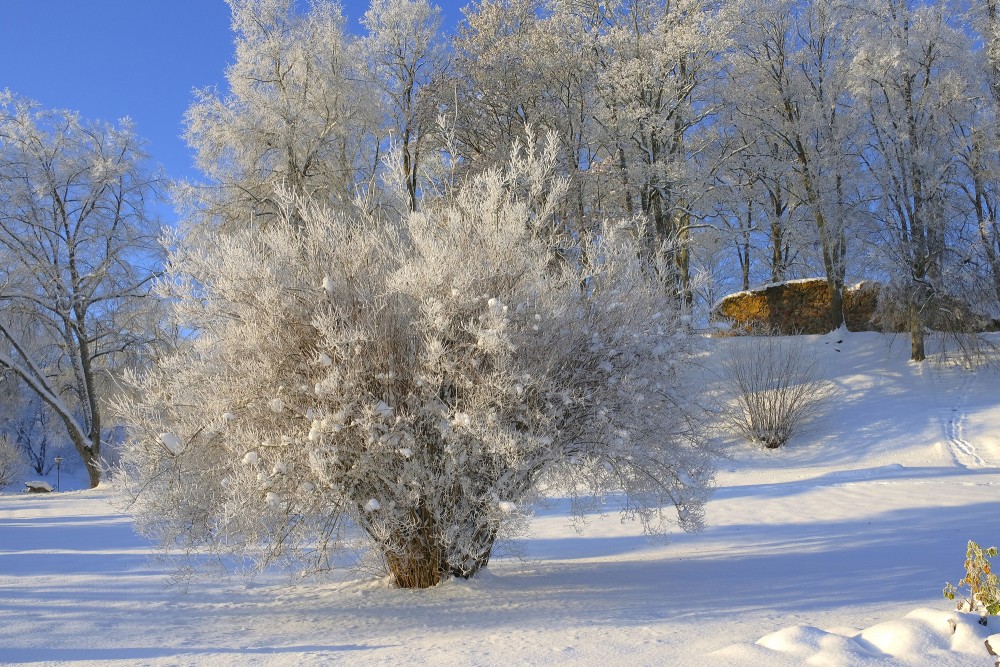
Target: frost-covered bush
[[11, 461], [414, 383], [776, 387]]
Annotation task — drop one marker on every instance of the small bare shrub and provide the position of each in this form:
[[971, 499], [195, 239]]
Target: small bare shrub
[[11, 461], [777, 387]]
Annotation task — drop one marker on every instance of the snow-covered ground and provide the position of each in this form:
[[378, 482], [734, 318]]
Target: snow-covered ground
[[830, 551]]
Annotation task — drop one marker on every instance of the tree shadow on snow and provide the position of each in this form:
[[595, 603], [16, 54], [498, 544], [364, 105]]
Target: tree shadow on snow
[[891, 558], [892, 471]]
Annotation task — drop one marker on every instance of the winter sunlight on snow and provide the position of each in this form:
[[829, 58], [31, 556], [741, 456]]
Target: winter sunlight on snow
[[503, 332], [831, 550]]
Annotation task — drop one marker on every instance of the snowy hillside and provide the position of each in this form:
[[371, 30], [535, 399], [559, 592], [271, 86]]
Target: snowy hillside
[[832, 550]]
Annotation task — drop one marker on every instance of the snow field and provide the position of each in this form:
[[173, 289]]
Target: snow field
[[830, 551]]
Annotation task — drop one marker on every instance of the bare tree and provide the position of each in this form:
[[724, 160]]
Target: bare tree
[[656, 69], [403, 57], [910, 82], [77, 246], [979, 148], [294, 115], [497, 85], [790, 93]]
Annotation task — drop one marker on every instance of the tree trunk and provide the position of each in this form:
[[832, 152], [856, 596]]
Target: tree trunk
[[89, 450], [777, 254], [836, 302], [415, 565], [987, 234], [917, 352], [421, 559], [832, 260], [92, 461], [684, 257]]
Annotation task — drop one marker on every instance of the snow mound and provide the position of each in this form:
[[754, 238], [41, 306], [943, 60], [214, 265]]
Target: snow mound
[[924, 636], [810, 645]]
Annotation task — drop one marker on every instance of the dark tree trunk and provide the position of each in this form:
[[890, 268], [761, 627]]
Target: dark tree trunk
[[420, 559], [917, 352], [92, 461]]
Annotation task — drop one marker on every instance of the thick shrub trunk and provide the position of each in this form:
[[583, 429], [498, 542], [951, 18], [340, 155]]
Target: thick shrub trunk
[[476, 556], [421, 560], [416, 565]]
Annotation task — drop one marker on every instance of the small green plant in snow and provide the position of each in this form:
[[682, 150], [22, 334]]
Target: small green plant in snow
[[982, 584]]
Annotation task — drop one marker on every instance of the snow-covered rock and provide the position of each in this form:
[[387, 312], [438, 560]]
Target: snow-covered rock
[[38, 487]]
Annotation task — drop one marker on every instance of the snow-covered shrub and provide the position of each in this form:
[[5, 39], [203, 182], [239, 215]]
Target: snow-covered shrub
[[413, 382], [11, 461], [982, 584], [776, 387]]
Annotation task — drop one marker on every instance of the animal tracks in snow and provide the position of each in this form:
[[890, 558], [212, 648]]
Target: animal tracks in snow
[[953, 387]]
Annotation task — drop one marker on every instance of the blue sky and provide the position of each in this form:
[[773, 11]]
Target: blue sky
[[139, 58]]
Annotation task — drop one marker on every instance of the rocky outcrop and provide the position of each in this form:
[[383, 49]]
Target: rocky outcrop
[[798, 307]]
